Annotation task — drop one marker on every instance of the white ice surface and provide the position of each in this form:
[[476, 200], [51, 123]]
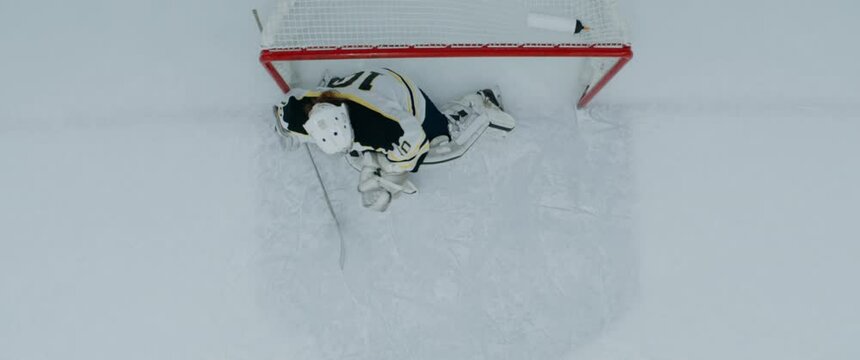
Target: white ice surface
[[147, 211], [746, 226], [497, 257]]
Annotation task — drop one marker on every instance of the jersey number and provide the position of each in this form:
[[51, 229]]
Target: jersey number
[[365, 85], [404, 148]]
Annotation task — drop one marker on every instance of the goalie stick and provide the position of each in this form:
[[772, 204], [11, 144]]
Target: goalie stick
[[279, 130], [342, 256]]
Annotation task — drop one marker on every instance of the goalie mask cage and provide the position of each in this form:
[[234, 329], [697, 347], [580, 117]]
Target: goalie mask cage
[[363, 29]]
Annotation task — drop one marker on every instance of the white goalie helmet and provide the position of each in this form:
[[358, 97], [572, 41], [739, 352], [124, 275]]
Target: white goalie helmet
[[329, 126]]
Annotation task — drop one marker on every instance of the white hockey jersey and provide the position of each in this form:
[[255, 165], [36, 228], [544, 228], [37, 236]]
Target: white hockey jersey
[[386, 111]]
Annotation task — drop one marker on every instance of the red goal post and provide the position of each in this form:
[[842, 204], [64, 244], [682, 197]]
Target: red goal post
[[303, 30]]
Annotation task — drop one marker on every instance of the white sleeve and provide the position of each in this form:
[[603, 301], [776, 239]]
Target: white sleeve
[[414, 143]]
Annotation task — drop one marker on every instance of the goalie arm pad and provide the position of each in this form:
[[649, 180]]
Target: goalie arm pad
[[407, 152], [404, 165], [373, 176], [378, 188], [409, 148]]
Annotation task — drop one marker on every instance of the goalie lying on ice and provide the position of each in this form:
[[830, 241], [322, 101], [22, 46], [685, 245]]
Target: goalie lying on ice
[[387, 126]]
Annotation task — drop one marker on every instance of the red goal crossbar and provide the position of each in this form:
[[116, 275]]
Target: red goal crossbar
[[623, 53]]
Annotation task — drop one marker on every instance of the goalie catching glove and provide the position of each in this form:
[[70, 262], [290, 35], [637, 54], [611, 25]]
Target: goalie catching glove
[[378, 187]]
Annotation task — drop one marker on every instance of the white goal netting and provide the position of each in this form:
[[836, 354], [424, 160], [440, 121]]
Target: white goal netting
[[297, 24]]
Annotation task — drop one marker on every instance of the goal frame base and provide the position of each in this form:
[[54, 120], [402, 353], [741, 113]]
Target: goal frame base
[[622, 52]]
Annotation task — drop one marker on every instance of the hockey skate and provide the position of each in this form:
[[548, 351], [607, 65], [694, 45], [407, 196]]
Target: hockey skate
[[499, 119], [468, 118]]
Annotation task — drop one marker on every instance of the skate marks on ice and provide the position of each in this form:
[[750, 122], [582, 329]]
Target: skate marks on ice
[[535, 251], [520, 249]]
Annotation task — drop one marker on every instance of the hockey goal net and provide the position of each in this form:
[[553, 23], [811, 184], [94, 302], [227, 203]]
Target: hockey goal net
[[356, 29]]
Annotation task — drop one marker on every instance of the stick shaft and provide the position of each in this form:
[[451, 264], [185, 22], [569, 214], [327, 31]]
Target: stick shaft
[[257, 17], [342, 258]]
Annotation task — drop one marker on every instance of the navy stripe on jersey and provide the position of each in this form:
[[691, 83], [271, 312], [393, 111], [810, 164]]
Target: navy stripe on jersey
[[371, 128], [410, 159], [435, 124]]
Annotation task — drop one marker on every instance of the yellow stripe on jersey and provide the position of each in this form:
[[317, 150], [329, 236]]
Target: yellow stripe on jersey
[[408, 161], [358, 100], [407, 166], [411, 89]]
